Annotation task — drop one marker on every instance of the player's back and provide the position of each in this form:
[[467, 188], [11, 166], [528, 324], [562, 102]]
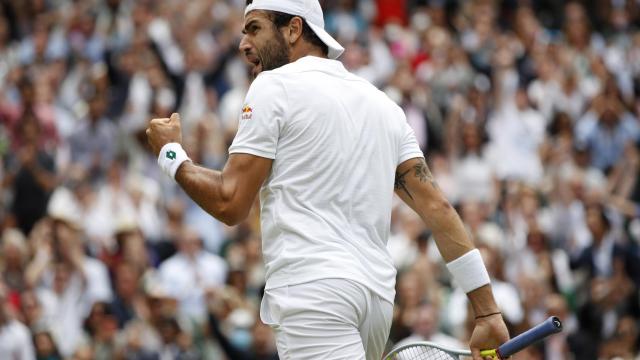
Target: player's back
[[336, 141]]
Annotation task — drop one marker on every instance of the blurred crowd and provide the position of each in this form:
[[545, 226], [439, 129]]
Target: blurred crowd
[[528, 113]]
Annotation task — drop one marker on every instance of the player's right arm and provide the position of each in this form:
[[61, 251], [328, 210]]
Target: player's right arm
[[226, 195], [229, 194], [417, 187]]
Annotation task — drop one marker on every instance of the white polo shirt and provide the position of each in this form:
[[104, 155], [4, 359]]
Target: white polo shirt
[[336, 142]]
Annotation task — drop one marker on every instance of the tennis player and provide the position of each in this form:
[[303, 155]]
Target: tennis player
[[325, 150]]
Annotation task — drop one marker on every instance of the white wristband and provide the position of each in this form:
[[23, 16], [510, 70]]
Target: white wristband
[[170, 157], [469, 271]]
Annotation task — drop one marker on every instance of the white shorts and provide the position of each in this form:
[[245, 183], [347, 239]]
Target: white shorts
[[327, 319]]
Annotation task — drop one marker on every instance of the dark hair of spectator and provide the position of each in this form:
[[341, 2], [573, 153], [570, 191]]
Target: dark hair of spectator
[[55, 353]]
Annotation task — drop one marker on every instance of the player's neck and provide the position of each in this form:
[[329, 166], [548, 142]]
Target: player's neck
[[305, 50]]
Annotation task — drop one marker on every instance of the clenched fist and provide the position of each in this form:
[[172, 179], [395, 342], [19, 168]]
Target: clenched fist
[[163, 131]]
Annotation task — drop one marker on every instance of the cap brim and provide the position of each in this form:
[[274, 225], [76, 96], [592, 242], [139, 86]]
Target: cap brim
[[335, 49]]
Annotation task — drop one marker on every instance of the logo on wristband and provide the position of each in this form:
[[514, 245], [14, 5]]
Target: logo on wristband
[[171, 155]]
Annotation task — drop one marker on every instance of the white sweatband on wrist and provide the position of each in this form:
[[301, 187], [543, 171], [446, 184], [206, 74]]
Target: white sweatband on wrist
[[171, 156], [469, 271]]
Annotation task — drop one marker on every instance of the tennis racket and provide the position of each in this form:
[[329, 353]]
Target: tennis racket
[[425, 350]]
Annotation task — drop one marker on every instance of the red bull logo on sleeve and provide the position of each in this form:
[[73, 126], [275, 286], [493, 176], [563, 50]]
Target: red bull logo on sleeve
[[246, 113]]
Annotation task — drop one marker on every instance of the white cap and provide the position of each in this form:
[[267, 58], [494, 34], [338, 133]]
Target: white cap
[[64, 206], [309, 10]]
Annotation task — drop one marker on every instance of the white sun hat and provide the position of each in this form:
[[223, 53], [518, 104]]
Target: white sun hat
[[309, 10], [64, 206]]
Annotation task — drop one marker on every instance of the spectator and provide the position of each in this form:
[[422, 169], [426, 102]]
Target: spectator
[[603, 261], [516, 131], [606, 129], [33, 176], [190, 272], [45, 347], [402, 245], [101, 327], [474, 175], [68, 282], [15, 255], [92, 144], [32, 312], [426, 328], [28, 104], [15, 341], [259, 346], [127, 295]]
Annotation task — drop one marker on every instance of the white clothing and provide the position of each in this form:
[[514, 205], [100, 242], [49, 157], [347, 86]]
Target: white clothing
[[187, 280], [403, 250], [328, 319], [15, 342], [336, 142], [229, 105], [62, 318], [99, 222], [65, 312], [97, 286], [544, 95], [194, 101], [474, 178], [515, 138], [140, 95]]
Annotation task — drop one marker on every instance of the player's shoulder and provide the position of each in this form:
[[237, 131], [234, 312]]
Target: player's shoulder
[[266, 85]]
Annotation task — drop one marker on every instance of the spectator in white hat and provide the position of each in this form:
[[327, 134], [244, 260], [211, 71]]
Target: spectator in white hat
[[67, 281]]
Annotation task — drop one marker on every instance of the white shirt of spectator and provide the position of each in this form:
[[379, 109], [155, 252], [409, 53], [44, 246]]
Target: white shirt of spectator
[[15, 342], [67, 311], [474, 178], [187, 279], [515, 137], [336, 142]]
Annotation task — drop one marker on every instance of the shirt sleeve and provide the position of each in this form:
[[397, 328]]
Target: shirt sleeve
[[408, 148], [261, 118]]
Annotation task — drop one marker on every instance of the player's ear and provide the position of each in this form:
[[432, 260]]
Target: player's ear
[[295, 29]]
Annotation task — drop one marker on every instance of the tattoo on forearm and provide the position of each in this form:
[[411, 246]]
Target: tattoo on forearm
[[423, 173], [401, 183]]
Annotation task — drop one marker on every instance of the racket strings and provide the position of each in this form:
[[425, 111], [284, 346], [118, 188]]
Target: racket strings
[[423, 353]]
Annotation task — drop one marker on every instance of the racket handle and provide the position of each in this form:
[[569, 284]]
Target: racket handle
[[550, 326], [493, 353]]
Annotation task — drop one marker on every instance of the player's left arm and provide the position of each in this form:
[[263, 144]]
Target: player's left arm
[[417, 187], [228, 194]]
